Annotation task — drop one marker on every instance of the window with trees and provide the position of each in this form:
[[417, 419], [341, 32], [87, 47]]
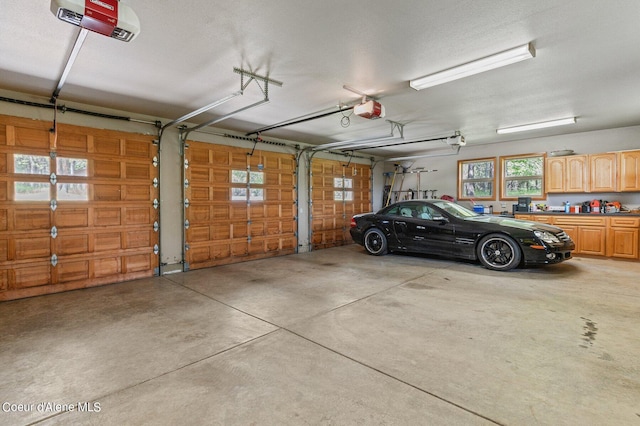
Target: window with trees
[[477, 179], [522, 176]]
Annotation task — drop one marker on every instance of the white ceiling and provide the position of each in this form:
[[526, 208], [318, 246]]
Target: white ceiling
[[587, 64]]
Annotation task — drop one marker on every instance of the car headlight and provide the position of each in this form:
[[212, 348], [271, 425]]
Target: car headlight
[[547, 237]]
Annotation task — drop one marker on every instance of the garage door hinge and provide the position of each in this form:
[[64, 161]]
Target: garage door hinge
[[186, 224], [187, 203], [156, 204], [156, 226], [186, 164], [156, 249], [187, 247], [54, 205], [155, 182], [53, 178], [54, 232], [155, 162], [54, 260]]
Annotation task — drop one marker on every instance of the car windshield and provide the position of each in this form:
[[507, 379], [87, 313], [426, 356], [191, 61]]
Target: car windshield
[[454, 209]]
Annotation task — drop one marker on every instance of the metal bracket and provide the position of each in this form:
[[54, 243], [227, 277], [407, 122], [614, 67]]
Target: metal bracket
[[156, 249], [156, 226], [54, 232], [155, 162], [54, 260], [186, 224], [156, 204], [186, 164], [53, 178], [187, 203], [186, 183], [54, 205], [155, 182]]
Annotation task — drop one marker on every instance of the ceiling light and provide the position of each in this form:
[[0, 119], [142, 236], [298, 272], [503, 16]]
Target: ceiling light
[[501, 59], [545, 124]]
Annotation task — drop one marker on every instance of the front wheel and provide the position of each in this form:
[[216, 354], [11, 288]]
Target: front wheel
[[375, 242], [499, 252]]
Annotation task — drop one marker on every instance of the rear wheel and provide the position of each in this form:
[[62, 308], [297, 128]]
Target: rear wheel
[[375, 242], [499, 252]]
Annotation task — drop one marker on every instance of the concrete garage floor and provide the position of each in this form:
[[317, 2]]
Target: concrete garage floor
[[332, 337]]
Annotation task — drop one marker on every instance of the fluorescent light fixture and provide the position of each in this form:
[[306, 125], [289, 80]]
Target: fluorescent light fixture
[[498, 60], [534, 126]]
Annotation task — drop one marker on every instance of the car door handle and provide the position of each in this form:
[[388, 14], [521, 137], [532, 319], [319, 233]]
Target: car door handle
[[420, 227], [418, 238], [399, 222]]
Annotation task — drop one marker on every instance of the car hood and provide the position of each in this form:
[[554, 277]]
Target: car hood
[[514, 223]]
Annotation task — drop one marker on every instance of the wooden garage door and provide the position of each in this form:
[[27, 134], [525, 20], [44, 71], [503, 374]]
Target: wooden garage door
[[339, 191], [238, 206], [76, 208]]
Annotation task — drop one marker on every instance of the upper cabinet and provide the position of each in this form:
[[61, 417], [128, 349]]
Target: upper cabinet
[[629, 170], [602, 169], [567, 174], [607, 172]]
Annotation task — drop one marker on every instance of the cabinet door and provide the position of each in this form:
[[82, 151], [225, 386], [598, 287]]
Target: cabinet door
[[554, 175], [623, 242], [592, 240], [576, 176], [629, 171], [603, 172], [572, 231]]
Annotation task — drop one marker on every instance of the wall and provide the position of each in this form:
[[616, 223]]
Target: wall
[[445, 179], [171, 164]]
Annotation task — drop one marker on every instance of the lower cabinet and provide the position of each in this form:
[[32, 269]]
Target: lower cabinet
[[611, 236], [623, 237]]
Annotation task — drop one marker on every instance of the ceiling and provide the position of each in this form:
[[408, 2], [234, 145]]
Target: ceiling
[[586, 65]]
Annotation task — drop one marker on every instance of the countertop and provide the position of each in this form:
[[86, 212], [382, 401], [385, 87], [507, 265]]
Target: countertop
[[551, 213]]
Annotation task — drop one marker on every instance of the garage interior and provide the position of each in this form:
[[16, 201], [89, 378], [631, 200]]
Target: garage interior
[[176, 189]]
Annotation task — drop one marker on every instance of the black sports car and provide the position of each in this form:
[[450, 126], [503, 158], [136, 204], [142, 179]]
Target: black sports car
[[444, 228]]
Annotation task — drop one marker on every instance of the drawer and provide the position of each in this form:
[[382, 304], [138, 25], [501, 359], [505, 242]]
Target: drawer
[[581, 220], [624, 222]]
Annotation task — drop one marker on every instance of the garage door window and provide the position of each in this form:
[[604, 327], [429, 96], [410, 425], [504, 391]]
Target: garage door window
[[71, 166], [343, 189], [247, 185], [31, 164]]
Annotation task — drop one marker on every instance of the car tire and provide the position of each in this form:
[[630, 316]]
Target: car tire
[[499, 252], [375, 242]]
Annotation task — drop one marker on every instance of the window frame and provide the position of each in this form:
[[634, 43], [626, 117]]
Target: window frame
[[504, 178], [491, 180]]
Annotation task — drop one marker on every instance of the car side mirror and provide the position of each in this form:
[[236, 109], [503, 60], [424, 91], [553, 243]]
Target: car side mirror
[[440, 219]]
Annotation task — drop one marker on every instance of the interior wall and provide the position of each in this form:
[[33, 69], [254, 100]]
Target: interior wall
[[445, 181]]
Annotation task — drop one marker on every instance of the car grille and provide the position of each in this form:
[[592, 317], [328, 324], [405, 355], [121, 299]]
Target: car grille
[[563, 236]]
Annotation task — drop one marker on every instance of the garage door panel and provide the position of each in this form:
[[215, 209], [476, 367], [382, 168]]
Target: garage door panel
[[137, 148], [138, 171], [137, 263], [338, 193], [199, 174], [138, 215], [72, 142], [236, 228], [198, 233], [71, 244], [74, 244], [33, 275], [32, 247], [106, 192], [4, 280], [32, 219], [106, 145], [107, 266], [4, 219], [138, 193], [200, 193], [72, 271], [138, 238], [107, 241], [31, 137], [71, 217], [106, 169], [107, 216]]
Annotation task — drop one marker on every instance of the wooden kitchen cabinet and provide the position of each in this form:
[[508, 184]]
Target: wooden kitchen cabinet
[[623, 237], [629, 171], [588, 232], [602, 171], [567, 174]]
